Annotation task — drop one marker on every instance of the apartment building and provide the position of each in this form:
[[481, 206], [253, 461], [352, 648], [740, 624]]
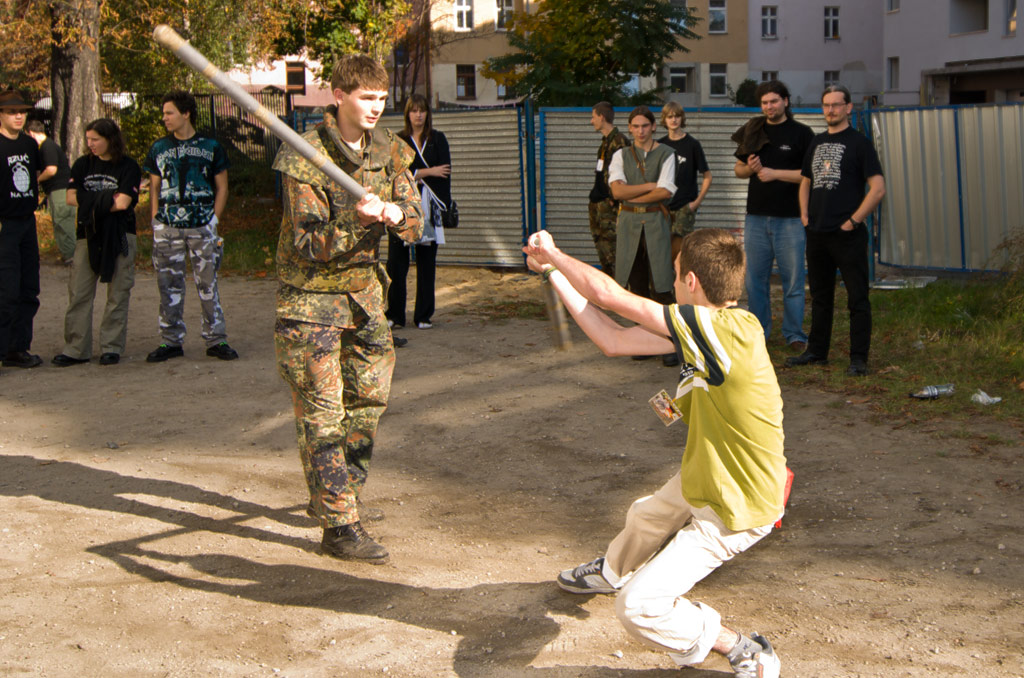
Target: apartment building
[[717, 62], [809, 44], [952, 52]]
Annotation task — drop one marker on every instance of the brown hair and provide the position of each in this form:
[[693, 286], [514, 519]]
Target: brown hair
[[36, 126], [673, 108], [109, 130], [641, 110], [358, 70], [717, 259], [418, 102], [605, 110], [847, 99]]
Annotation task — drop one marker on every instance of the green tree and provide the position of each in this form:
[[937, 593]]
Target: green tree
[[572, 52], [331, 28]]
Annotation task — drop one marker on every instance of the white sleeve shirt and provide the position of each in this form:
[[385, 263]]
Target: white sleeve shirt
[[666, 176]]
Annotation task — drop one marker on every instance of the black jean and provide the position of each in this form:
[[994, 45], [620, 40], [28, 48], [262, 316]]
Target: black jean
[[19, 283], [846, 251], [398, 270]]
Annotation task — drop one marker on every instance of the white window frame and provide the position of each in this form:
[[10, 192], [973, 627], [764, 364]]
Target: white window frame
[[892, 5], [767, 76], [503, 12], [832, 22], [715, 7], [463, 15], [686, 73], [714, 75], [831, 80], [769, 22]]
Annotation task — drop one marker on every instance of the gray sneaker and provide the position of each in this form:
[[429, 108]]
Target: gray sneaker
[[586, 578], [763, 663]]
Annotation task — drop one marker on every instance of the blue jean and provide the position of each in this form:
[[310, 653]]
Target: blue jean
[[781, 239]]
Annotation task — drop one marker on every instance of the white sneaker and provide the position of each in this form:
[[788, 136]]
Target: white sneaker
[[762, 664], [424, 326], [586, 578], [391, 323]]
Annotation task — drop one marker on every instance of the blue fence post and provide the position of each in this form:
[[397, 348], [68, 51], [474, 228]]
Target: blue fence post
[[959, 189], [531, 170]]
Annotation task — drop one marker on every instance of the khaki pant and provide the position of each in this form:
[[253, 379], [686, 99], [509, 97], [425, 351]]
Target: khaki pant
[[78, 319], [666, 547], [64, 218]]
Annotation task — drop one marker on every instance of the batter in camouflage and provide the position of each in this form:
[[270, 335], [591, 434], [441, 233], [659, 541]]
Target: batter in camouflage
[[188, 179], [334, 348], [603, 208]]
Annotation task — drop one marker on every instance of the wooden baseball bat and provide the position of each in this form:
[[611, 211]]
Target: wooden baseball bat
[[557, 316], [169, 38]]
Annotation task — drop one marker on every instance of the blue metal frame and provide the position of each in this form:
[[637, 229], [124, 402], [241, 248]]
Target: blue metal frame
[[542, 170], [959, 188]]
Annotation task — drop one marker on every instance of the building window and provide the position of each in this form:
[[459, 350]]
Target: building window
[[465, 81], [892, 5], [831, 23], [680, 80], [463, 15], [968, 16], [295, 77], [893, 74], [504, 9], [831, 78], [716, 16], [1011, 17], [769, 21], [767, 76], [718, 72]]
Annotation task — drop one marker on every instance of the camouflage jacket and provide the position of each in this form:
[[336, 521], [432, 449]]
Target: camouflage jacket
[[610, 143], [323, 250]]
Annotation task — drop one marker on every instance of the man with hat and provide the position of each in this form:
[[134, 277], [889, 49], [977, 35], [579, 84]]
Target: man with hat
[[19, 247]]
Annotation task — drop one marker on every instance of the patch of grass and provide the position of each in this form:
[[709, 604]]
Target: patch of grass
[[967, 333]]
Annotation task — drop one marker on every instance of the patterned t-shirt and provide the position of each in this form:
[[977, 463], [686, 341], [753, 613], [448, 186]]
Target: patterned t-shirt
[[186, 169], [730, 399]]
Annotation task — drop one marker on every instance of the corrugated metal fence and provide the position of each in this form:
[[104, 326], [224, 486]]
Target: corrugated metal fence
[[954, 178]]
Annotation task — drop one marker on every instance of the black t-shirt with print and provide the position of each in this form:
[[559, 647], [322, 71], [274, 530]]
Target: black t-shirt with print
[[838, 166], [787, 145], [89, 173], [19, 167], [689, 161]]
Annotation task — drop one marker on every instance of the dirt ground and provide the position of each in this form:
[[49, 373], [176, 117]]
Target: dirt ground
[[152, 515]]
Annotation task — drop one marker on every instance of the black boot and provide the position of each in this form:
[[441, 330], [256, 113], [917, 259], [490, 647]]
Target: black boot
[[351, 542]]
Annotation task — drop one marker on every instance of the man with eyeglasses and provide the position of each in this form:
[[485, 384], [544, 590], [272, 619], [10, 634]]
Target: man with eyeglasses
[[833, 207]]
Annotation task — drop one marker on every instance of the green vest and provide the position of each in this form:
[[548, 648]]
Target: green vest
[[655, 228]]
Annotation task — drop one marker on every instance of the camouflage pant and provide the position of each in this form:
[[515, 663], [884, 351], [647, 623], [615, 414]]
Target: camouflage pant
[[205, 248], [340, 381], [603, 216], [683, 222]]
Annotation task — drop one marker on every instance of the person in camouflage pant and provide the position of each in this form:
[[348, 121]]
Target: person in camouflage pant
[[333, 345], [603, 209]]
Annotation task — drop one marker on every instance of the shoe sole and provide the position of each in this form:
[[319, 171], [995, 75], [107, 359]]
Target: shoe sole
[[573, 588], [164, 359]]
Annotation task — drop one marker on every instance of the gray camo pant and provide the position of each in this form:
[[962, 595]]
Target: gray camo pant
[[204, 248]]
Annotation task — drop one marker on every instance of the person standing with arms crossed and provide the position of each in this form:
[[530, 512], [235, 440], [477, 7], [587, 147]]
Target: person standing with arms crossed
[[188, 189], [731, 483], [642, 177], [833, 207], [53, 180], [19, 245], [770, 153], [603, 209], [333, 345]]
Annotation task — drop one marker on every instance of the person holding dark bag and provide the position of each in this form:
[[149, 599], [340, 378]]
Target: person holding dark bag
[[104, 187], [432, 169]]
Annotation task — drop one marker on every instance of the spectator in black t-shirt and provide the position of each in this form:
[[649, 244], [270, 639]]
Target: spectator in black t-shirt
[[770, 152], [53, 180], [689, 161], [105, 189], [19, 247], [833, 206]]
